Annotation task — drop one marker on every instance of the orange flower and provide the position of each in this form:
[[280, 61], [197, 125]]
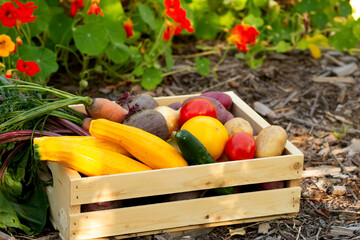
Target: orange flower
[[242, 35], [95, 8], [6, 45], [128, 27], [171, 29]]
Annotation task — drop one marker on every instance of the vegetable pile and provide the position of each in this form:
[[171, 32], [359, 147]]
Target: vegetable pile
[[129, 135]]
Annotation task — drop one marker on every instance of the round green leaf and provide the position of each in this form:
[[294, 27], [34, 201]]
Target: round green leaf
[[90, 39], [227, 20], [319, 19], [202, 65], [44, 57], [343, 40], [238, 5], [260, 3], [118, 53], [283, 47], [60, 29], [40, 23], [147, 14], [345, 8], [207, 27], [151, 78], [115, 31], [256, 22]]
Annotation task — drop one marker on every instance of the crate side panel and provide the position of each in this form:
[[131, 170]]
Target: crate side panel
[[164, 181], [185, 213], [241, 109], [59, 198]]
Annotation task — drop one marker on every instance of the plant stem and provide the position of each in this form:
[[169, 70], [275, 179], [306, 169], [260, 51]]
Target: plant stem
[[43, 110], [221, 60], [177, 71]]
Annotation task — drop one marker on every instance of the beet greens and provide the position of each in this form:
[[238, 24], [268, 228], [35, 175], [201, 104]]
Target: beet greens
[[29, 110]]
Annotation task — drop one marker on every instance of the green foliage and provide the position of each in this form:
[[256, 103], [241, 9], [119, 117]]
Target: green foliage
[[202, 65], [99, 44]]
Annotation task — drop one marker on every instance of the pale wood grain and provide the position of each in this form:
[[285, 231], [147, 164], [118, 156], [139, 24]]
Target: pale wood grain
[[184, 213]]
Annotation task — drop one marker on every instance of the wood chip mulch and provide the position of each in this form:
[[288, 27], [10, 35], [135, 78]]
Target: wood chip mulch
[[318, 102]]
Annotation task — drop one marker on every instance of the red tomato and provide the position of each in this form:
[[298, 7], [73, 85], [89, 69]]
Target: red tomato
[[196, 107], [240, 146]]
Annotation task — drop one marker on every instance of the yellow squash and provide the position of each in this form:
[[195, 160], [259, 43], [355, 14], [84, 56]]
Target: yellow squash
[[88, 159], [144, 146]]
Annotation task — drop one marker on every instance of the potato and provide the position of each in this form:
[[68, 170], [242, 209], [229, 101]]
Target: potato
[[238, 124], [270, 141]]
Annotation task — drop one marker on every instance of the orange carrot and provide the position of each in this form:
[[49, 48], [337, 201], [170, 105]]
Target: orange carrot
[[86, 123], [104, 108]]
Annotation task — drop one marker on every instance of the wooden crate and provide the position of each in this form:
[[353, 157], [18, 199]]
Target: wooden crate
[[70, 191]]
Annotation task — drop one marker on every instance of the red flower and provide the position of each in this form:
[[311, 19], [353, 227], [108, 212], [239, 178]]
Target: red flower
[[75, 5], [95, 8], [171, 29], [242, 35], [28, 67], [128, 26], [26, 11], [8, 73], [11, 16], [178, 14], [8, 14]]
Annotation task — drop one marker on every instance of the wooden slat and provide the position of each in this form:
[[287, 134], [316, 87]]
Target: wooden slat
[[184, 213], [163, 181], [241, 109], [59, 197]]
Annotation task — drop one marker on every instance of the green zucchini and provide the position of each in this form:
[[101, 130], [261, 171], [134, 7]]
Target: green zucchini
[[195, 153]]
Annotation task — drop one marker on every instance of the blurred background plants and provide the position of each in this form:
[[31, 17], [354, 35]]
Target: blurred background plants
[[126, 40]]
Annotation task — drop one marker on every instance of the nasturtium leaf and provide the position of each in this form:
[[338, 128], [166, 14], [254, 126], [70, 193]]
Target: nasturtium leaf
[[135, 55], [202, 65], [256, 22], [302, 44], [207, 27], [40, 23], [115, 31], [90, 39], [60, 29], [345, 8], [356, 30], [151, 78], [260, 3], [112, 10], [238, 5], [147, 14], [343, 40], [139, 24], [199, 5], [306, 6], [168, 57], [44, 57], [227, 20], [283, 46], [319, 19], [118, 53]]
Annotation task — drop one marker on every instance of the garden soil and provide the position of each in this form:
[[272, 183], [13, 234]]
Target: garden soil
[[317, 101]]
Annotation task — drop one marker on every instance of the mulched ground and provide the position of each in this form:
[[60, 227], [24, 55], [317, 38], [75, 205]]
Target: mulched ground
[[322, 119]]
